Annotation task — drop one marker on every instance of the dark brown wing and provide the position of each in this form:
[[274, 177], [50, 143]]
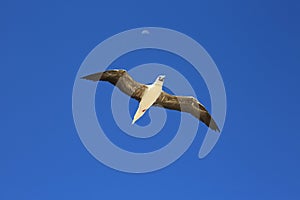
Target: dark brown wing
[[126, 84], [188, 105], [122, 80]]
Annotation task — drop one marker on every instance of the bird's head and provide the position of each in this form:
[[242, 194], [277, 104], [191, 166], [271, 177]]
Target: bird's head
[[160, 79]]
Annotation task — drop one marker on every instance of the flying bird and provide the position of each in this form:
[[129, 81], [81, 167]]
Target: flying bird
[[149, 96], [153, 95]]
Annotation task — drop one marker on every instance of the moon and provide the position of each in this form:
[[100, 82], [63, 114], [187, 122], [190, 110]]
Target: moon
[[145, 32]]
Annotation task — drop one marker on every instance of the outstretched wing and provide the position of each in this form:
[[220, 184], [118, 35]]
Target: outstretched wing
[[122, 80], [187, 104], [126, 84]]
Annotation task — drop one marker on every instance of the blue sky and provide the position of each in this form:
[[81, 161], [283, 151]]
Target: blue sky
[[255, 45]]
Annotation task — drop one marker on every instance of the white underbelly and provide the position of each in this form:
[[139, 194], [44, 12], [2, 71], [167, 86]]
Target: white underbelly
[[150, 96]]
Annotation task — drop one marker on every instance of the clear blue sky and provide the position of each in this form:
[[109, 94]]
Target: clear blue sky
[[254, 43]]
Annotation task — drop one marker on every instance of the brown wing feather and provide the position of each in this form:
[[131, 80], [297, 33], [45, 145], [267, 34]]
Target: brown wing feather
[[122, 80], [188, 105], [126, 84]]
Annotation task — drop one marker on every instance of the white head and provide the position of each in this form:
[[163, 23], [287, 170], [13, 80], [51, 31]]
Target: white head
[[160, 79]]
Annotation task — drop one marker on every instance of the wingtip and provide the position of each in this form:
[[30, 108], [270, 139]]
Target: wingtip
[[213, 125], [85, 77], [92, 77], [216, 128]]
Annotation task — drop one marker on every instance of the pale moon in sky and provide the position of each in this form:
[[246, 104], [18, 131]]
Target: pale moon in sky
[[145, 32]]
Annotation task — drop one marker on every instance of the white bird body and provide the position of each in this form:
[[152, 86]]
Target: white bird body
[[149, 97]]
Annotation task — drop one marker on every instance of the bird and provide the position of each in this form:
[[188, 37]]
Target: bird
[[153, 95], [150, 95]]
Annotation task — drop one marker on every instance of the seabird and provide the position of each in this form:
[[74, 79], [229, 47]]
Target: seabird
[[153, 95], [150, 95]]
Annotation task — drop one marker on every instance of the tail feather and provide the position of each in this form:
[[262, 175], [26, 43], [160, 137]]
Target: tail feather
[[139, 113]]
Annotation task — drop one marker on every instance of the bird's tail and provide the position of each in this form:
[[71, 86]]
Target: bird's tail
[[139, 113]]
